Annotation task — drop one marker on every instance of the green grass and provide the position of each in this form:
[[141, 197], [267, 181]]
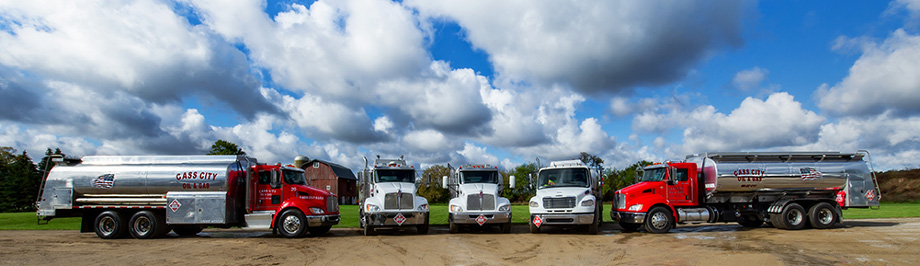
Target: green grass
[[887, 210], [520, 214]]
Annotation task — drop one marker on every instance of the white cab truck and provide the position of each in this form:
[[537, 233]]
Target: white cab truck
[[568, 194], [387, 197], [475, 198]]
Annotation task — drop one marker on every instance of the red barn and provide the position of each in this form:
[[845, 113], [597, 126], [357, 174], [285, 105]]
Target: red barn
[[334, 178]]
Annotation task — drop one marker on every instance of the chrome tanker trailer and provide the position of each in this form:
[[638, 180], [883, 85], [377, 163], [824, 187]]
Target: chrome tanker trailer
[[147, 196], [787, 190]]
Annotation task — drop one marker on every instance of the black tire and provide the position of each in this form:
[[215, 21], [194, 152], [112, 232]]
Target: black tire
[[368, 228], [188, 230], [423, 228], [792, 218], [453, 228], [146, 225], [750, 220], [506, 228], [822, 216], [659, 220], [774, 220], [110, 225], [318, 231], [292, 223], [592, 228], [629, 227]]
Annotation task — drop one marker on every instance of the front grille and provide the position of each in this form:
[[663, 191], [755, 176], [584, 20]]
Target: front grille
[[332, 204], [402, 202], [555, 203], [486, 203], [620, 201]]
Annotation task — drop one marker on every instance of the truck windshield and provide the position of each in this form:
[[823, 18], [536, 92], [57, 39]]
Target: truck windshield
[[405, 176], [293, 177], [573, 177], [490, 177], [654, 174]]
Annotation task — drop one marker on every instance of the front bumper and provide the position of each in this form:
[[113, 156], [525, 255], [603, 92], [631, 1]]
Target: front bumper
[[470, 217], [628, 217], [564, 219], [323, 220], [388, 218]]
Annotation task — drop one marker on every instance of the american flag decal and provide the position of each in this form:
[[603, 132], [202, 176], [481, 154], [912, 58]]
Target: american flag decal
[[105, 181]]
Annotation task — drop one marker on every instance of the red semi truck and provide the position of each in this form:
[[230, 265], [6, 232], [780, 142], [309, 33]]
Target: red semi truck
[[149, 196], [786, 190]]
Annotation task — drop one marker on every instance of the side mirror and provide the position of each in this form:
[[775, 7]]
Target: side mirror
[[511, 182], [276, 179], [444, 182]]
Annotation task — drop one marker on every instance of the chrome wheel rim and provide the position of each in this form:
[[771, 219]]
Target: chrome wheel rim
[[141, 225], [291, 224], [107, 225], [794, 217], [825, 216], [659, 220]]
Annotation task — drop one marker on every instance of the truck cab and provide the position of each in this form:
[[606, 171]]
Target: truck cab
[[661, 186], [567, 195], [387, 197], [475, 192], [282, 193]]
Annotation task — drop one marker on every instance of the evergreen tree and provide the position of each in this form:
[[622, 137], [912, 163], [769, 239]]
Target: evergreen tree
[[19, 185]]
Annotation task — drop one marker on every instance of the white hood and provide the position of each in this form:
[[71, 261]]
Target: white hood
[[475, 188], [393, 187]]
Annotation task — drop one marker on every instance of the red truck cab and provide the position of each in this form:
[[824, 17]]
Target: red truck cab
[[296, 206], [662, 188]]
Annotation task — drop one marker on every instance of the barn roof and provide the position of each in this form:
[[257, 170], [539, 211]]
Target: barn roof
[[340, 171]]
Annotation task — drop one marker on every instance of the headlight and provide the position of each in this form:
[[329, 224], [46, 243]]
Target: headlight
[[371, 208], [587, 203], [423, 207], [504, 208], [635, 208], [316, 210], [456, 208], [534, 204]]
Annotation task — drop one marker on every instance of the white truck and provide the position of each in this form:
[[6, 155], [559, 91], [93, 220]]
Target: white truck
[[568, 194], [387, 197], [475, 198]]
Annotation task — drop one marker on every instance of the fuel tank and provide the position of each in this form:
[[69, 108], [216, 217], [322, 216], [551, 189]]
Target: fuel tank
[[118, 179], [769, 171]]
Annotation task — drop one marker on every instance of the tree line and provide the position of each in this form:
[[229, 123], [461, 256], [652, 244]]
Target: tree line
[[525, 174]]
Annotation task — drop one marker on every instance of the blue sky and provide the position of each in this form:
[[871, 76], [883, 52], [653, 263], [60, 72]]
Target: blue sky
[[462, 81]]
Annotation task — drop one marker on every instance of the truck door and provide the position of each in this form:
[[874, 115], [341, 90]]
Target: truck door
[[268, 195], [680, 188]]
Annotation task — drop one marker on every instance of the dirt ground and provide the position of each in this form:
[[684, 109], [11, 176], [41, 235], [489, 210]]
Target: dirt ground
[[861, 242]]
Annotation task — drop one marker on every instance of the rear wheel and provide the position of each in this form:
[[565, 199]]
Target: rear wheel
[[822, 216], [659, 220], [146, 225], [792, 217], [109, 225], [292, 223]]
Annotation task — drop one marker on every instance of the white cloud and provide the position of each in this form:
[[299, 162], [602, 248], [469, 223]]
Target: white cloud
[[427, 141], [571, 42], [477, 155], [885, 77], [749, 79]]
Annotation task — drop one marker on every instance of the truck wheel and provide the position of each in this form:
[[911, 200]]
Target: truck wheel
[[659, 220], [533, 228], [792, 217], [822, 216], [109, 225], [292, 223], [318, 231], [423, 228], [146, 225], [454, 228], [592, 228], [629, 227], [187, 230], [506, 228], [368, 228]]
